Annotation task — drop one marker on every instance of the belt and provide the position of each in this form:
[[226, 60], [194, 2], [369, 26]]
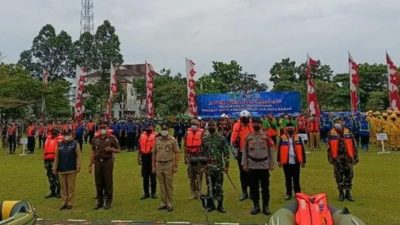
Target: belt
[[164, 161], [257, 159], [103, 160]]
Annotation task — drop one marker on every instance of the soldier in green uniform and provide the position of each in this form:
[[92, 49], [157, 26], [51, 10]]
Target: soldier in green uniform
[[215, 147]]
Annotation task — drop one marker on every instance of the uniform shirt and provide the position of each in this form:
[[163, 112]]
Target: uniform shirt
[[164, 150], [215, 147], [99, 145], [292, 155], [257, 152]]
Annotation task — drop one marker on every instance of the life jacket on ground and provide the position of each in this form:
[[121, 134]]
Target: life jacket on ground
[[193, 140], [147, 142], [284, 149], [50, 147], [334, 143], [313, 210], [239, 134]]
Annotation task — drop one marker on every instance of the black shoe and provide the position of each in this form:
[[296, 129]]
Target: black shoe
[[144, 197], [255, 210], [162, 207], [51, 195], [58, 195], [170, 209], [244, 197], [69, 207], [98, 206], [348, 196], [220, 208], [341, 196], [210, 209], [63, 207], [107, 206], [153, 196], [266, 210], [288, 197]]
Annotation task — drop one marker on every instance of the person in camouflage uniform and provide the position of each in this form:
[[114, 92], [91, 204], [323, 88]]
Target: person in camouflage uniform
[[215, 147], [342, 154]]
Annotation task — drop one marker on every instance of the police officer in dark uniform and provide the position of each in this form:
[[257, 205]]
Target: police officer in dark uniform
[[102, 156]]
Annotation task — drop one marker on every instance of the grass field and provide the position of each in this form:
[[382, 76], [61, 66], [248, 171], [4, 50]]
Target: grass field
[[376, 190]]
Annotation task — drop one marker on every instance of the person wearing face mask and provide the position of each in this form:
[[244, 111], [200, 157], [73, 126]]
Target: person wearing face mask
[[50, 147], [67, 166], [215, 148], [342, 154], [146, 143], [291, 155], [240, 130], [196, 169], [102, 157], [257, 161], [165, 165]]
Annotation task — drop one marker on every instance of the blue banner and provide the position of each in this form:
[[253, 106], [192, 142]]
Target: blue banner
[[258, 103]]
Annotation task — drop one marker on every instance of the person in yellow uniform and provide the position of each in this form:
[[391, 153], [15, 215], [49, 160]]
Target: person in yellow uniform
[[394, 132]]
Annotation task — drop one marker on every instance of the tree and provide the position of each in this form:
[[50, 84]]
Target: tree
[[283, 71], [51, 52], [84, 51], [376, 100]]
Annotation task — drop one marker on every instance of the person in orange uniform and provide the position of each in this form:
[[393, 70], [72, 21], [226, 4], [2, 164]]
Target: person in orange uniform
[[196, 167], [49, 153], [90, 127], [146, 144], [12, 137], [291, 156], [241, 129], [41, 135], [313, 132], [30, 132], [342, 154]]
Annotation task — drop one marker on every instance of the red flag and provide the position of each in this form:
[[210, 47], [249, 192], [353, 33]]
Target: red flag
[[354, 84], [313, 107], [79, 88], [393, 82], [191, 86], [149, 91], [113, 90]]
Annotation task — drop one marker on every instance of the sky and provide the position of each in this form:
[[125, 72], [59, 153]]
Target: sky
[[256, 33]]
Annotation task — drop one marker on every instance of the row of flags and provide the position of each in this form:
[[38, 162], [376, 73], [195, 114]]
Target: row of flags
[[394, 97]]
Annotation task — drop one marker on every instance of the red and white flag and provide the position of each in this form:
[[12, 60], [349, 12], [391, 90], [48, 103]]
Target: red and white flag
[[79, 89], [149, 91], [312, 102], [394, 97], [191, 87], [113, 90], [354, 84]]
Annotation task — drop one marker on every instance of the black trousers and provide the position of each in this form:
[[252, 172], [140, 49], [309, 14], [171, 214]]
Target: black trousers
[[259, 178], [179, 139], [12, 143], [41, 141], [149, 178], [90, 136], [103, 174], [80, 142], [31, 144], [130, 142], [292, 178], [244, 176]]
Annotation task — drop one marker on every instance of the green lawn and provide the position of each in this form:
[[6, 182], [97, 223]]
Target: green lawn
[[376, 190]]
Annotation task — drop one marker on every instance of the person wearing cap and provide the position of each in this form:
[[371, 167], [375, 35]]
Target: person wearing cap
[[313, 132], [50, 147], [196, 169], [102, 157], [165, 165], [291, 156], [67, 165], [216, 150], [146, 144], [342, 154], [257, 161], [364, 132]]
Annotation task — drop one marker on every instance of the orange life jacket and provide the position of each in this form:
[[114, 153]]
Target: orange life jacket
[[90, 126], [334, 143], [49, 129], [31, 131], [50, 147], [313, 210], [146, 142], [284, 149], [241, 132], [193, 140], [12, 130]]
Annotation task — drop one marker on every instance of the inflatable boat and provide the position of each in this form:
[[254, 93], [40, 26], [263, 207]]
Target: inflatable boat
[[17, 213]]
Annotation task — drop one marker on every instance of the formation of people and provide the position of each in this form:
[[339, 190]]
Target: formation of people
[[207, 146]]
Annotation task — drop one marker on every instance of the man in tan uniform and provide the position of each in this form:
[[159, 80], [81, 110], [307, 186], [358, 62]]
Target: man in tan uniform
[[165, 164]]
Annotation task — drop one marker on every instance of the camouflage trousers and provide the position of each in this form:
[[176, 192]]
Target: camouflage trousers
[[216, 177], [53, 179], [343, 172], [196, 174]]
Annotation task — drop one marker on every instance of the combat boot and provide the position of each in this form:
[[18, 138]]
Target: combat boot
[[266, 210], [341, 195], [256, 209], [220, 206], [348, 196], [211, 205]]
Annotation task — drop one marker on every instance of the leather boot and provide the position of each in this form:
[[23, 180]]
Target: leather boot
[[348, 196], [266, 210], [244, 197], [341, 195], [211, 205], [256, 209], [51, 195], [220, 206]]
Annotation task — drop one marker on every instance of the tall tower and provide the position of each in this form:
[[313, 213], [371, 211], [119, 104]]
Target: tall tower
[[87, 24]]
